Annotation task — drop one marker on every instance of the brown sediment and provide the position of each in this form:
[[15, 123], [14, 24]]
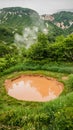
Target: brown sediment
[[34, 88]]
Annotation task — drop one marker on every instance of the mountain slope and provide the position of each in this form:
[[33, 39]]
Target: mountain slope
[[14, 19], [70, 30], [16, 16], [63, 16], [63, 19], [53, 29], [6, 35]]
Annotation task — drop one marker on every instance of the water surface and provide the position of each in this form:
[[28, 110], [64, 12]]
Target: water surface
[[34, 88]]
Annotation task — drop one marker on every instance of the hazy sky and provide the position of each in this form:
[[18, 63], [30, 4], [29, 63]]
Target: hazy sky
[[41, 6]]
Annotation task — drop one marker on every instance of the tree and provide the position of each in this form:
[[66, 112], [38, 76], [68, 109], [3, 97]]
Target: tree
[[38, 51]]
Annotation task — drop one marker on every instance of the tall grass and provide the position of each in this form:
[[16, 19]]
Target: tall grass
[[30, 65], [40, 116]]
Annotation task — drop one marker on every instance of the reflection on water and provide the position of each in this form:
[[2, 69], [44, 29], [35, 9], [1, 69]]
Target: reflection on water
[[34, 89]]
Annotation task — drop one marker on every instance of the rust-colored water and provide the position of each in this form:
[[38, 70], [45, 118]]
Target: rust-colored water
[[34, 88]]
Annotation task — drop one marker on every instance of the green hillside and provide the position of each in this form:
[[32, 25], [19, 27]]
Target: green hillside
[[6, 35], [14, 19], [63, 19], [53, 29], [63, 16], [61, 22], [70, 30], [16, 16]]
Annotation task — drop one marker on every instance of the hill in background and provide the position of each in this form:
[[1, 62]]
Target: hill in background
[[61, 19], [15, 19]]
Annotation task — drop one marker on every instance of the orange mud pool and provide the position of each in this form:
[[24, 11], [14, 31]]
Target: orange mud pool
[[34, 88]]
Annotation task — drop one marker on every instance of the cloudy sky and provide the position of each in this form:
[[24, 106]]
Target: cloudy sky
[[41, 6]]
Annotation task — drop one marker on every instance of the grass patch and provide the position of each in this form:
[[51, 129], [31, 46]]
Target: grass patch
[[44, 65]]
